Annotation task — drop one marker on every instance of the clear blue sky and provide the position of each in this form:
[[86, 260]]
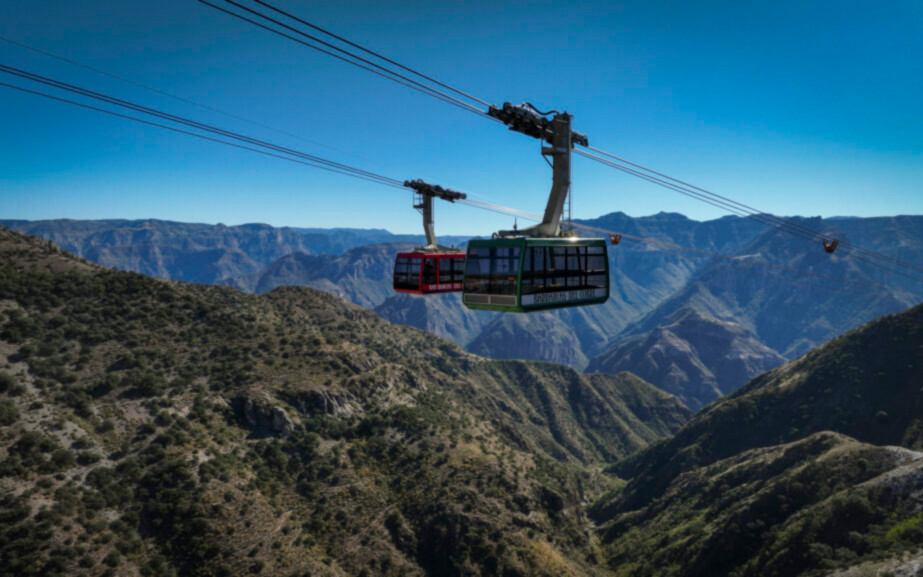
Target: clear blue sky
[[794, 107]]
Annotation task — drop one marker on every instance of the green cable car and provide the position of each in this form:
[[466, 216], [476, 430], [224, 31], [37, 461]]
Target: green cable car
[[526, 274], [540, 267]]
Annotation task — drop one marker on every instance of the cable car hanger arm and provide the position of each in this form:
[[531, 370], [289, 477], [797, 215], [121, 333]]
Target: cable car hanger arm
[[424, 203]]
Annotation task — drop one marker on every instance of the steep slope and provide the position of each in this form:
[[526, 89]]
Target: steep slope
[[792, 314], [361, 275], [443, 315], [865, 384], [156, 427], [757, 484], [822, 502], [695, 357]]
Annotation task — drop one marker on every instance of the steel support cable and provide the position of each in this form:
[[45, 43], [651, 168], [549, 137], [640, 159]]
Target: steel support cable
[[719, 204], [302, 42], [782, 222], [671, 246], [741, 206], [747, 212], [684, 191], [750, 209], [180, 120], [385, 72], [718, 255], [379, 179], [173, 118], [164, 93], [879, 265], [367, 51], [190, 133]]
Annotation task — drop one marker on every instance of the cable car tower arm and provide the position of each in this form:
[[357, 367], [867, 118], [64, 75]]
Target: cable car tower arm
[[423, 201], [557, 133]]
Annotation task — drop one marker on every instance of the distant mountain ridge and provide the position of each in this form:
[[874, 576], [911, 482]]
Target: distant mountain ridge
[[198, 252], [361, 275], [695, 357], [780, 313]]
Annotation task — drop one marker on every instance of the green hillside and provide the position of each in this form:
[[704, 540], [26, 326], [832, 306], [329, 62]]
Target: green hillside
[[867, 384], [820, 503], [811, 467], [149, 427]]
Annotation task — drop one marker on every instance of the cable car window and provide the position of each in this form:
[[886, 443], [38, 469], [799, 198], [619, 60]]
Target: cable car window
[[406, 273], [573, 258], [492, 270], [477, 275], [429, 271], [540, 257], [452, 270], [505, 267], [558, 258]]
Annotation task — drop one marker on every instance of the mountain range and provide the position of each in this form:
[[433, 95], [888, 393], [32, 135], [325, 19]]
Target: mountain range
[[757, 309], [694, 356], [165, 428]]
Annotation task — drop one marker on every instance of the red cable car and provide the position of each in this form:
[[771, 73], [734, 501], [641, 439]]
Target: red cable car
[[422, 273], [432, 268]]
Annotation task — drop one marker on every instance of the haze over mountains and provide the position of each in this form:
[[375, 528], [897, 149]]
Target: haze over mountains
[[761, 315], [165, 428]]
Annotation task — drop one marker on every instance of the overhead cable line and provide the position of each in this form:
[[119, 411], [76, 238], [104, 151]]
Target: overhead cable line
[[373, 53], [180, 120], [761, 218], [640, 171], [359, 61], [187, 132], [778, 222], [128, 81], [340, 168]]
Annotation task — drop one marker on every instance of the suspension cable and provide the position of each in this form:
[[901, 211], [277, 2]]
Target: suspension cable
[[373, 53], [180, 120], [190, 133], [154, 90], [640, 171], [749, 212], [756, 217], [340, 168], [363, 63]]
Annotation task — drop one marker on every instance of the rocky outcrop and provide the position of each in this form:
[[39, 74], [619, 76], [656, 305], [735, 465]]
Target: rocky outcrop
[[322, 402], [264, 417]]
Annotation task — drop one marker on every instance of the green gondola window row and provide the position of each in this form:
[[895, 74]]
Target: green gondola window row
[[560, 268]]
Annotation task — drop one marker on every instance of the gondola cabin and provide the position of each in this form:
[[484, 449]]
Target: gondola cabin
[[526, 274], [423, 273]]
